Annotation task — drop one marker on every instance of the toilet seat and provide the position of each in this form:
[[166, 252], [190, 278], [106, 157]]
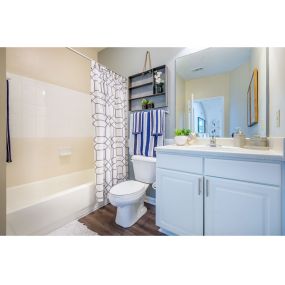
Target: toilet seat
[[128, 188]]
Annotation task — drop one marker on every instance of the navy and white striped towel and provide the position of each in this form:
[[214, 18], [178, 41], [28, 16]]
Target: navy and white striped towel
[[157, 122], [144, 143], [137, 123]]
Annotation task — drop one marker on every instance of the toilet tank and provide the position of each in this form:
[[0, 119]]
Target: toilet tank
[[144, 168]]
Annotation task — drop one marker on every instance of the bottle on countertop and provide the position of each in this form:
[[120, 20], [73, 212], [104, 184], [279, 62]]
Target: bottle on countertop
[[239, 138]]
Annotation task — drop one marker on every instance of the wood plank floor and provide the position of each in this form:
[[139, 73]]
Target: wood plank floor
[[102, 221]]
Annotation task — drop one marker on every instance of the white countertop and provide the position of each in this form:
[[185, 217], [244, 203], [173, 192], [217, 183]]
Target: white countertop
[[223, 151]]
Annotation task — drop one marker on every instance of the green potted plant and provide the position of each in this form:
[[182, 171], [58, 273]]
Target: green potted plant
[[150, 104], [181, 136], [145, 104]]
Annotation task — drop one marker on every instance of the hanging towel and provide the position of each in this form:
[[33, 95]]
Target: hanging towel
[[137, 123], [145, 142], [157, 128], [157, 122], [8, 141], [137, 130]]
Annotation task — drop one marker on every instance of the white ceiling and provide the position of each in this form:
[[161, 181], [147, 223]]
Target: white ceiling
[[212, 60]]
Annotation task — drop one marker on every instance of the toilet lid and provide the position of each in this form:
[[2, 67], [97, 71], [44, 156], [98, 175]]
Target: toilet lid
[[127, 188]]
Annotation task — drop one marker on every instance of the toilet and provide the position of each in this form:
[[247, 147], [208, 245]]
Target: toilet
[[129, 196]]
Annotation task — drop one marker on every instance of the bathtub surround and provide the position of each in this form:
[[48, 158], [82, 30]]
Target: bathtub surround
[[41, 126], [45, 125], [110, 122], [2, 141]]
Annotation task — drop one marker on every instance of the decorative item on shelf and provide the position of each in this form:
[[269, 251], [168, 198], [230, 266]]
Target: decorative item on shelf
[[159, 82], [144, 104], [150, 104], [181, 136], [191, 138], [147, 104]]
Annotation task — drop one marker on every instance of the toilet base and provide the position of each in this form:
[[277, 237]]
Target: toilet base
[[130, 214]]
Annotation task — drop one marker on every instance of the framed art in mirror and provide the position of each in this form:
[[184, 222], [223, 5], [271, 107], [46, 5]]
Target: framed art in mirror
[[252, 100], [201, 125]]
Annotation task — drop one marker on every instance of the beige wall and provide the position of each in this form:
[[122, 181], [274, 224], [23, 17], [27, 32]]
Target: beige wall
[[3, 141], [181, 109], [37, 158], [212, 86], [54, 65], [48, 126], [277, 91]]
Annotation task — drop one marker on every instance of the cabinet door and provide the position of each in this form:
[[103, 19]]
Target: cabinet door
[[179, 202], [240, 208]]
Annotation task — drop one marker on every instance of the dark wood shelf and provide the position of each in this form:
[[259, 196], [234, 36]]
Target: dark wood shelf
[[155, 108], [145, 87], [141, 85], [145, 96]]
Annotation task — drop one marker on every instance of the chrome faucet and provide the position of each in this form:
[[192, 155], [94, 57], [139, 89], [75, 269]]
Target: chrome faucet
[[213, 142]]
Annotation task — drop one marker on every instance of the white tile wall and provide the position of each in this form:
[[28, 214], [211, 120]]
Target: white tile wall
[[42, 110]]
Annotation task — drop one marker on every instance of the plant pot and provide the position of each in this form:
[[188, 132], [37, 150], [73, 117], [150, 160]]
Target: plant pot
[[150, 106], [181, 140], [144, 107]]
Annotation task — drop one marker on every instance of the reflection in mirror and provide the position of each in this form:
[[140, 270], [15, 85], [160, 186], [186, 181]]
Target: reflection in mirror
[[222, 90]]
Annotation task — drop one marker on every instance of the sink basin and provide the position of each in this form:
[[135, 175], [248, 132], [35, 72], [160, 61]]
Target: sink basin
[[220, 147]]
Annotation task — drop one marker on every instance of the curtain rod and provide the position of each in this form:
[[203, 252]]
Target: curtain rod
[[79, 53], [91, 59]]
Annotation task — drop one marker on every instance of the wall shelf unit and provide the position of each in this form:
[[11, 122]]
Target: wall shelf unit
[[143, 86]]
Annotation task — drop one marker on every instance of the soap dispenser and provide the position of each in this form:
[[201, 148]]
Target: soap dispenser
[[239, 138]]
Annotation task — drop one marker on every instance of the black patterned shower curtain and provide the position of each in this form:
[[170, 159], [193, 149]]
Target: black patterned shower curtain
[[110, 122]]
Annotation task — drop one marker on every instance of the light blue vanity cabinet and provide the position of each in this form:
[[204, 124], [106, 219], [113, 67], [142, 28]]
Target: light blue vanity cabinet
[[179, 194], [241, 208], [199, 195], [180, 202]]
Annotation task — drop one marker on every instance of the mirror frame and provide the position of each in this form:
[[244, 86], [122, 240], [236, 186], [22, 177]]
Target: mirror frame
[[252, 119]]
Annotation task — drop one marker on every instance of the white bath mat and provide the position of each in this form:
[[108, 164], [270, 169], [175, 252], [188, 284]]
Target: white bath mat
[[73, 229]]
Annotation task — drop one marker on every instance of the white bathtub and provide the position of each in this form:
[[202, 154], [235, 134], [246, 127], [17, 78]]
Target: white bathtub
[[41, 207]]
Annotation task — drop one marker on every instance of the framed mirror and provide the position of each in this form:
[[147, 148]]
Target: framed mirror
[[220, 90]]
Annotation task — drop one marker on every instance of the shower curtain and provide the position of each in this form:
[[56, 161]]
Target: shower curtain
[[109, 119]]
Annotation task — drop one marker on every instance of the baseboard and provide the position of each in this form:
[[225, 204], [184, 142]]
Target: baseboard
[[168, 233], [150, 200]]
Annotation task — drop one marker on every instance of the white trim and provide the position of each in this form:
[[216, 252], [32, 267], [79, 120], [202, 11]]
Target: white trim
[[150, 200], [166, 232]]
